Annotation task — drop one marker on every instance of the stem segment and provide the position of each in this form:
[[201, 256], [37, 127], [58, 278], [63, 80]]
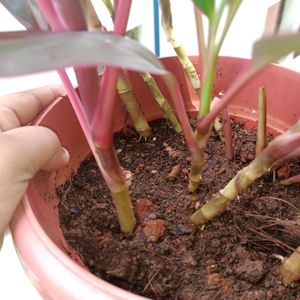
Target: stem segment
[[290, 268], [162, 101], [167, 24], [132, 106], [291, 180], [116, 182], [102, 132], [262, 121], [280, 147]]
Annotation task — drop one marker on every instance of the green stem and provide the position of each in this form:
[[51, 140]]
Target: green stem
[[262, 121], [116, 182], [162, 101], [108, 4], [200, 34], [198, 161], [280, 147], [207, 84], [132, 106], [290, 268], [189, 68], [186, 63]]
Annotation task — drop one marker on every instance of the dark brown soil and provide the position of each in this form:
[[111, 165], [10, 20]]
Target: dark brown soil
[[234, 257]]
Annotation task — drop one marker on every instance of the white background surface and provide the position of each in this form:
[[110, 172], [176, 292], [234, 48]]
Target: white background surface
[[247, 27]]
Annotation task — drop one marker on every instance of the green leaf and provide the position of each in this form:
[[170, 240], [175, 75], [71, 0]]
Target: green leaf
[[26, 12], [270, 49], [25, 52], [134, 33], [206, 6]]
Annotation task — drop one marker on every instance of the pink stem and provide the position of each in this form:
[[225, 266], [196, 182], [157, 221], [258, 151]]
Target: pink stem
[[76, 104], [291, 180], [49, 13], [102, 121], [182, 115]]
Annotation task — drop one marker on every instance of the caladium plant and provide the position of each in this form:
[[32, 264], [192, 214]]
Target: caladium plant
[[58, 37]]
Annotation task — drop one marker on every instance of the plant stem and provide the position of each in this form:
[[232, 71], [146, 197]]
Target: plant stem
[[127, 96], [162, 101], [290, 268], [208, 77], [218, 126], [116, 182], [186, 63], [200, 35], [91, 17], [102, 132], [197, 162], [132, 106], [262, 121], [279, 147], [227, 134], [203, 123], [110, 7], [291, 180]]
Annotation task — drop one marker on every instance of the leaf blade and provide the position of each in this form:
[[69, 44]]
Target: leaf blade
[[268, 50], [206, 6], [26, 12], [23, 53]]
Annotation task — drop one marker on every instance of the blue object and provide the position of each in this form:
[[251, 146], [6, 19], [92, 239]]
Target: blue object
[[156, 27]]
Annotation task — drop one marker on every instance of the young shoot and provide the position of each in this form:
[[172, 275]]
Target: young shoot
[[290, 268], [261, 121], [278, 148]]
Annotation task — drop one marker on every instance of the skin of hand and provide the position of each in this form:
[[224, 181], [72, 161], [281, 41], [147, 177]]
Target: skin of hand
[[24, 150]]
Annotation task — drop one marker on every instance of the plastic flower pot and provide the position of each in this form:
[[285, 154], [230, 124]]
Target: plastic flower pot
[[54, 268]]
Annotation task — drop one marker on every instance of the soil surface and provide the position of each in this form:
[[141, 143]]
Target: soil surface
[[235, 256]]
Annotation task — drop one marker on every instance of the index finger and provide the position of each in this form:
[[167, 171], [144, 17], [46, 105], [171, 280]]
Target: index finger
[[20, 108]]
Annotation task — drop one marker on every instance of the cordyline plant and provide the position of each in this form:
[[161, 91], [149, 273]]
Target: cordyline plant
[[57, 38]]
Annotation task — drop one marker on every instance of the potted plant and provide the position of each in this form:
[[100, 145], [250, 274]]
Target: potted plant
[[40, 218]]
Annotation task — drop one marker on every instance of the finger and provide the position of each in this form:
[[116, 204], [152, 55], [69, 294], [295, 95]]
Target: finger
[[20, 108], [59, 160], [24, 151]]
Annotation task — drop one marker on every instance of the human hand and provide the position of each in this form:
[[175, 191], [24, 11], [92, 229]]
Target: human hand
[[25, 150]]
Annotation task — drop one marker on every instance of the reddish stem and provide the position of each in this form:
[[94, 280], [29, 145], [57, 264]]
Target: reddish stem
[[103, 115], [76, 104], [49, 13], [182, 115], [69, 14], [291, 180]]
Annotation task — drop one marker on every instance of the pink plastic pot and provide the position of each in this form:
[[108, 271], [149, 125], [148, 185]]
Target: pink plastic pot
[[54, 268]]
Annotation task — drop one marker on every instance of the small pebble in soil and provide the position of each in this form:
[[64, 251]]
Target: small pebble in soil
[[144, 207], [175, 172], [154, 230], [250, 270], [254, 295]]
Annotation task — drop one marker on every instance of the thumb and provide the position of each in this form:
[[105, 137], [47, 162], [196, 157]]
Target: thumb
[[23, 152]]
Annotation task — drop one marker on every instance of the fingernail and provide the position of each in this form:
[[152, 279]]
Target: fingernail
[[60, 159]]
